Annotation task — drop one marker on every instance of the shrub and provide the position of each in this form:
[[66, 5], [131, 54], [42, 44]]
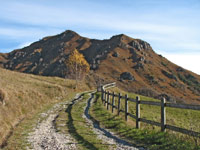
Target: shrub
[[169, 75], [151, 78], [164, 64], [147, 92]]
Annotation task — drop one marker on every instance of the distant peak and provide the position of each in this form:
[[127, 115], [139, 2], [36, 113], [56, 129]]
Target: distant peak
[[70, 32], [121, 37], [118, 35]]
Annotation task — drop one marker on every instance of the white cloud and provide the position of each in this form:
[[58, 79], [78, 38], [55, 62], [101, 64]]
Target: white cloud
[[188, 61], [50, 16], [193, 46]]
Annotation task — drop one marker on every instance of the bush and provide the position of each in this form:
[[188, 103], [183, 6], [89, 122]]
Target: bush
[[190, 81], [169, 75], [164, 64], [147, 92], [151, 78]]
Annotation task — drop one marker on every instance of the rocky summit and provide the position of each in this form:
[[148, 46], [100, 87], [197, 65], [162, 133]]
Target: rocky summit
[[132, 63]]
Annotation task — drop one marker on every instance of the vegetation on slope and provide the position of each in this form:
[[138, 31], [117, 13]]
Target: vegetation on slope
[[23, 96]]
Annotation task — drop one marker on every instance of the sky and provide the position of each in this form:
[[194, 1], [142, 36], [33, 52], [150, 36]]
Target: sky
[[172, 27]]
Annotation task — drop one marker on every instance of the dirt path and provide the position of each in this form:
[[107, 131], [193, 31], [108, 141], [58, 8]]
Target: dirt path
[[45, 136]]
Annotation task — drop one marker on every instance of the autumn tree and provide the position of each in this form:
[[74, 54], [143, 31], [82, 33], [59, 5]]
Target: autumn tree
[[77, 65]]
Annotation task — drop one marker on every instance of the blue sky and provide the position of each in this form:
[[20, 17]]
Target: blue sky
[[172, 27]]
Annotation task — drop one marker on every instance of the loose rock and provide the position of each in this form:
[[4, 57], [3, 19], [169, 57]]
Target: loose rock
[[45, 137]]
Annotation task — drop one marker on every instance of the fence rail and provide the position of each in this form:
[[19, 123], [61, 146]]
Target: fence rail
[[108, 99]]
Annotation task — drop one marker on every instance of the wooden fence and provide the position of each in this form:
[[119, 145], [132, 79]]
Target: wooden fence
[[108, 99]]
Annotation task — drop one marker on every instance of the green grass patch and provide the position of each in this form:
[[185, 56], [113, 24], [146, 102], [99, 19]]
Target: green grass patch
[[188, 119], [146, 137]]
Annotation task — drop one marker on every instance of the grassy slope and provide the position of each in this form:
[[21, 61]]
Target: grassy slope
[[149, 135], [27, 95], [183, 118]]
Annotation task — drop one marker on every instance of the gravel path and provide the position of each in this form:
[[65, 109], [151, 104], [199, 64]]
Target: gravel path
[[45, 137], [104, 134]]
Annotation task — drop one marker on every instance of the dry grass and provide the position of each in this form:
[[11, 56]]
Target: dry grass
[[24, 95], [2, 96]]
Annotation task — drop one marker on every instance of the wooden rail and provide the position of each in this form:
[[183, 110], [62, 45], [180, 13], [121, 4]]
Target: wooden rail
[[108, 99]]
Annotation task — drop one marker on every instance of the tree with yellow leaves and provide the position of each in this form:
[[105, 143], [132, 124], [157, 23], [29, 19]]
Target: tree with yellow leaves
[[77, 65]]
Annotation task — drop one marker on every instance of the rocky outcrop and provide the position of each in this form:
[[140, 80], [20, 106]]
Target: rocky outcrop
[[139, 66], [179, 69], [115, 54], [140, 45], [126, 76]]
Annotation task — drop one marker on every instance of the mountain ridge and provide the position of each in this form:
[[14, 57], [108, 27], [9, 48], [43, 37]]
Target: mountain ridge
[[153, 74]]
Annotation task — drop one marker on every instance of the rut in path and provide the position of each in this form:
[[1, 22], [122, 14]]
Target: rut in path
[[72, 128], [104, 134]]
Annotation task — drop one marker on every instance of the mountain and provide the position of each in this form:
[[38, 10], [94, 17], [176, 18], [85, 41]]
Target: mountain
[[132, 63]]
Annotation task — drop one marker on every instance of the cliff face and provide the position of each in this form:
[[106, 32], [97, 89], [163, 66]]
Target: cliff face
[[151, 74]]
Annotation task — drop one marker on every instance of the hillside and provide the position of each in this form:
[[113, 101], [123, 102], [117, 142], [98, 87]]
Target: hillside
[[148, 73], [22, 96]]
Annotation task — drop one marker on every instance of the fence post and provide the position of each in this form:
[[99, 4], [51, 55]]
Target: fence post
[[113, 101], [102, 94], [108, 100], [126, 107], [163, 114], [119, 102], [105, 96], [137, 112]]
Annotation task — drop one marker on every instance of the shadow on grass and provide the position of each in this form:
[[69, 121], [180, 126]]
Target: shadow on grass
[[97, 126], [149, 139], [73, 130]]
